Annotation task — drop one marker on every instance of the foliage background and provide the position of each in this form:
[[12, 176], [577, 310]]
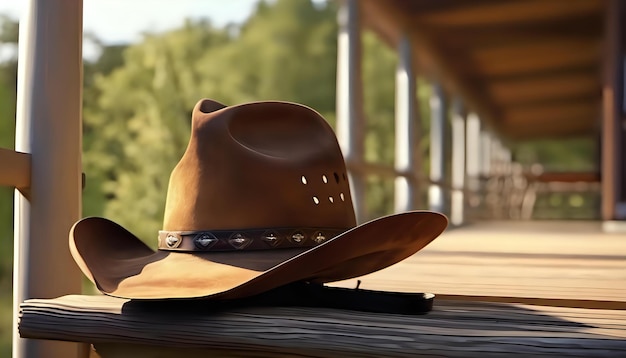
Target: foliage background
[[138, 99]]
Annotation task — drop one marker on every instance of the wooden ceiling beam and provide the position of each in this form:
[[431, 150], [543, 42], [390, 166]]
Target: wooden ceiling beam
[[520, 134], [549, 100], [569, 70], [535, 57], [503, 40], [525, 90], [509, 12], [555, 129], [587, 26], [539, 47], [430, 6], [553, 120], [580, 25], [545, 114]]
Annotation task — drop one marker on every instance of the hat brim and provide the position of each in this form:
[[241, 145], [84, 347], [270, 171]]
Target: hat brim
[[121, 265]]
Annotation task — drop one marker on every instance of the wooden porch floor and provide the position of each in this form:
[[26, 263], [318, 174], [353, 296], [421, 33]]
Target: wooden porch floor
[[560, 285], [570, 263]]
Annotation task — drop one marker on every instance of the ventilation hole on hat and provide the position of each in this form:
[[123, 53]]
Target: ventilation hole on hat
[[324, 179], [336, 177], [316, 200], [331, 199], [303, 179], [342, 197]]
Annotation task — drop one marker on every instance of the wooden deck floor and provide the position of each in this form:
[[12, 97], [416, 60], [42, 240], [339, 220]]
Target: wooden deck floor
[[563, 284], [560, 263]]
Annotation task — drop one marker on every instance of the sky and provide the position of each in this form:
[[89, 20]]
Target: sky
[[117, 21]]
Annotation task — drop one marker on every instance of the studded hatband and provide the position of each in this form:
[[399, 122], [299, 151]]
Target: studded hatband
[[251, 239]]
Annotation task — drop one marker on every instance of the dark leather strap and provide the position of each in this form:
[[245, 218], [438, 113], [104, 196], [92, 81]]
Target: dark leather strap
[[300, 294], [251, 239]]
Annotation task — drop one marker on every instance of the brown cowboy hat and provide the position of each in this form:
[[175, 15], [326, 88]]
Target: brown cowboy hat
[[260, 199]]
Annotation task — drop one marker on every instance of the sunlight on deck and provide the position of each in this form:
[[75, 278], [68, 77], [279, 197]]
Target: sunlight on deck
[[567, 261]]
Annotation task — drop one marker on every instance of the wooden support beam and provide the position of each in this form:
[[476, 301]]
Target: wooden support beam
[[613, 122], [16, 169]]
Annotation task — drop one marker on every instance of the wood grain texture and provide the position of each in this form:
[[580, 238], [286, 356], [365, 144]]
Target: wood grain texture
[[15, 168], [453, 328], [538, 276], [573, 261]]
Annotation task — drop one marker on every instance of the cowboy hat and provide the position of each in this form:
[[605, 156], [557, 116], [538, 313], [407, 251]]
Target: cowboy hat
[[259, 199]]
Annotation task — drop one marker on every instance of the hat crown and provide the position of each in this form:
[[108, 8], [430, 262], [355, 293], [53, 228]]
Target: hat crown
[[259, 165]]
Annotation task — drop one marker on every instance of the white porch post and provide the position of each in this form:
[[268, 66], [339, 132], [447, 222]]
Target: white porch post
[[485, 154], [437, 145], [405, 193], [48, 125], [350, 126], [473, 157], [458, 164]]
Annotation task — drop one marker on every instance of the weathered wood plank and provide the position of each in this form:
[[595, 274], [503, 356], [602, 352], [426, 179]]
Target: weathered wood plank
[[16, 168], [118, 327], [570, 261], [554, 266]]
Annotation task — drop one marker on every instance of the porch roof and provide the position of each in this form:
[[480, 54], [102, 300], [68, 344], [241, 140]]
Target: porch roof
[[530, 68]]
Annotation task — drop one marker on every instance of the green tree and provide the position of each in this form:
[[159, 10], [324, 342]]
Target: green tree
[[137, 125], [285, 51]]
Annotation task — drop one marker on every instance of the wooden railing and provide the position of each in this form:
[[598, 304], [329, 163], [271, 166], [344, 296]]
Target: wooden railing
[[15, 169]]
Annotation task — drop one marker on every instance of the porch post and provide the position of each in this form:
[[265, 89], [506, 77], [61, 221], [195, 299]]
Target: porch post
[[48, 126], [613, 121], [350, 119], [486, 191], [485, 154], [437, 145], [504, 163], [457, 203], [405, 192], [611, 109], [473, 158]]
